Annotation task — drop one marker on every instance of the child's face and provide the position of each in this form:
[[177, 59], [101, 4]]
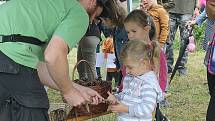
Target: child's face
[[142, 6], [147, 3], [135, 32], [134, 68]]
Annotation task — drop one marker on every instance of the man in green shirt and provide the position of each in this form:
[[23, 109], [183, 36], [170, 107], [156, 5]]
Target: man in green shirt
[[35, 38]]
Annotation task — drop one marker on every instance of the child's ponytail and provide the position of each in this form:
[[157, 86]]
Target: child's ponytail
[[155, 56], [138, 49]]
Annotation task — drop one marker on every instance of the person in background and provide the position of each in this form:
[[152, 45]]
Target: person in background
[[202, 5], [179, 15], [33, 53], [141, 90], [87, 51], [88, 44], [167, 4], [160, 18], [210, 10], [140, 26], [120, 38], [112, 73], [199, 21], [98, 69]]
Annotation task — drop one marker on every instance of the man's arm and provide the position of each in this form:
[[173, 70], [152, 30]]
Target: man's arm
[[57, 66], [44, 76], [57, 63], [55, 73], [46, 79]]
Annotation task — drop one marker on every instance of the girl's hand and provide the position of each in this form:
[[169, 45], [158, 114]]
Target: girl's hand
[[190, 23], [119, 108], [111, 98]]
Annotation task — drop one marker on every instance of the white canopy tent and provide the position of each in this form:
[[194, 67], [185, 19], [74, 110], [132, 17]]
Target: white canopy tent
[[129, 5]]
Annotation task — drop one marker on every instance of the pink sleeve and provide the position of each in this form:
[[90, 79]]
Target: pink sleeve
[[123, 76], [163, 71]]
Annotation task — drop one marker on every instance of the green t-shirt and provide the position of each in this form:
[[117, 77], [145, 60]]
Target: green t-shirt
[[40, 19]]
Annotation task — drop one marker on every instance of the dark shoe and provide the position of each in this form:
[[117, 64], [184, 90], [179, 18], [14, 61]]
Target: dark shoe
[[165, 103], [182, 71]]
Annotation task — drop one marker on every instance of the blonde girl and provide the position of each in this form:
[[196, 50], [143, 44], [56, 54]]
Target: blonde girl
[[141, 89]]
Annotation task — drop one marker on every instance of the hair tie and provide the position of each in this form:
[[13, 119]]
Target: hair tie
[[150, 45], [150, 50]]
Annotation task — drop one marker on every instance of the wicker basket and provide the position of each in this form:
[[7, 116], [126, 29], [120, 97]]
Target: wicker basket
[[59, 111], [102, 87]]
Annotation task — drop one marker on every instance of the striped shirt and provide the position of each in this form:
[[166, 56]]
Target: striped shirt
[[140, 94], [208, 32]]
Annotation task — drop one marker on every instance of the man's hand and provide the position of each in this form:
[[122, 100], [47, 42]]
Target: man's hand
[[96, 97], [74, 97], [89, 94]]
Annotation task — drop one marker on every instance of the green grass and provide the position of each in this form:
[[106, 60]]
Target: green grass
[[189, 98]]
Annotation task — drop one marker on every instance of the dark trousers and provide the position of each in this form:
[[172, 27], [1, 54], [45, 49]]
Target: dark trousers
[[87, 51], [98, 69], [159, 116], [22, 96], [11, 110], [177, 21], [114, 75], [211, 107]]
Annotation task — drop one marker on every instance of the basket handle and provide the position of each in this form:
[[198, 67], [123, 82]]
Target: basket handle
[[73, 75], [75, 67]]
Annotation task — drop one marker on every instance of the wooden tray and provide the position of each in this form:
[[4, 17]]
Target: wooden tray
[[67, 108], [83, 118]]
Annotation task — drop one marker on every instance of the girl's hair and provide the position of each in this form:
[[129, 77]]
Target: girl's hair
[[110, 8], [142, 19], [138, 49], [120, 13]]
